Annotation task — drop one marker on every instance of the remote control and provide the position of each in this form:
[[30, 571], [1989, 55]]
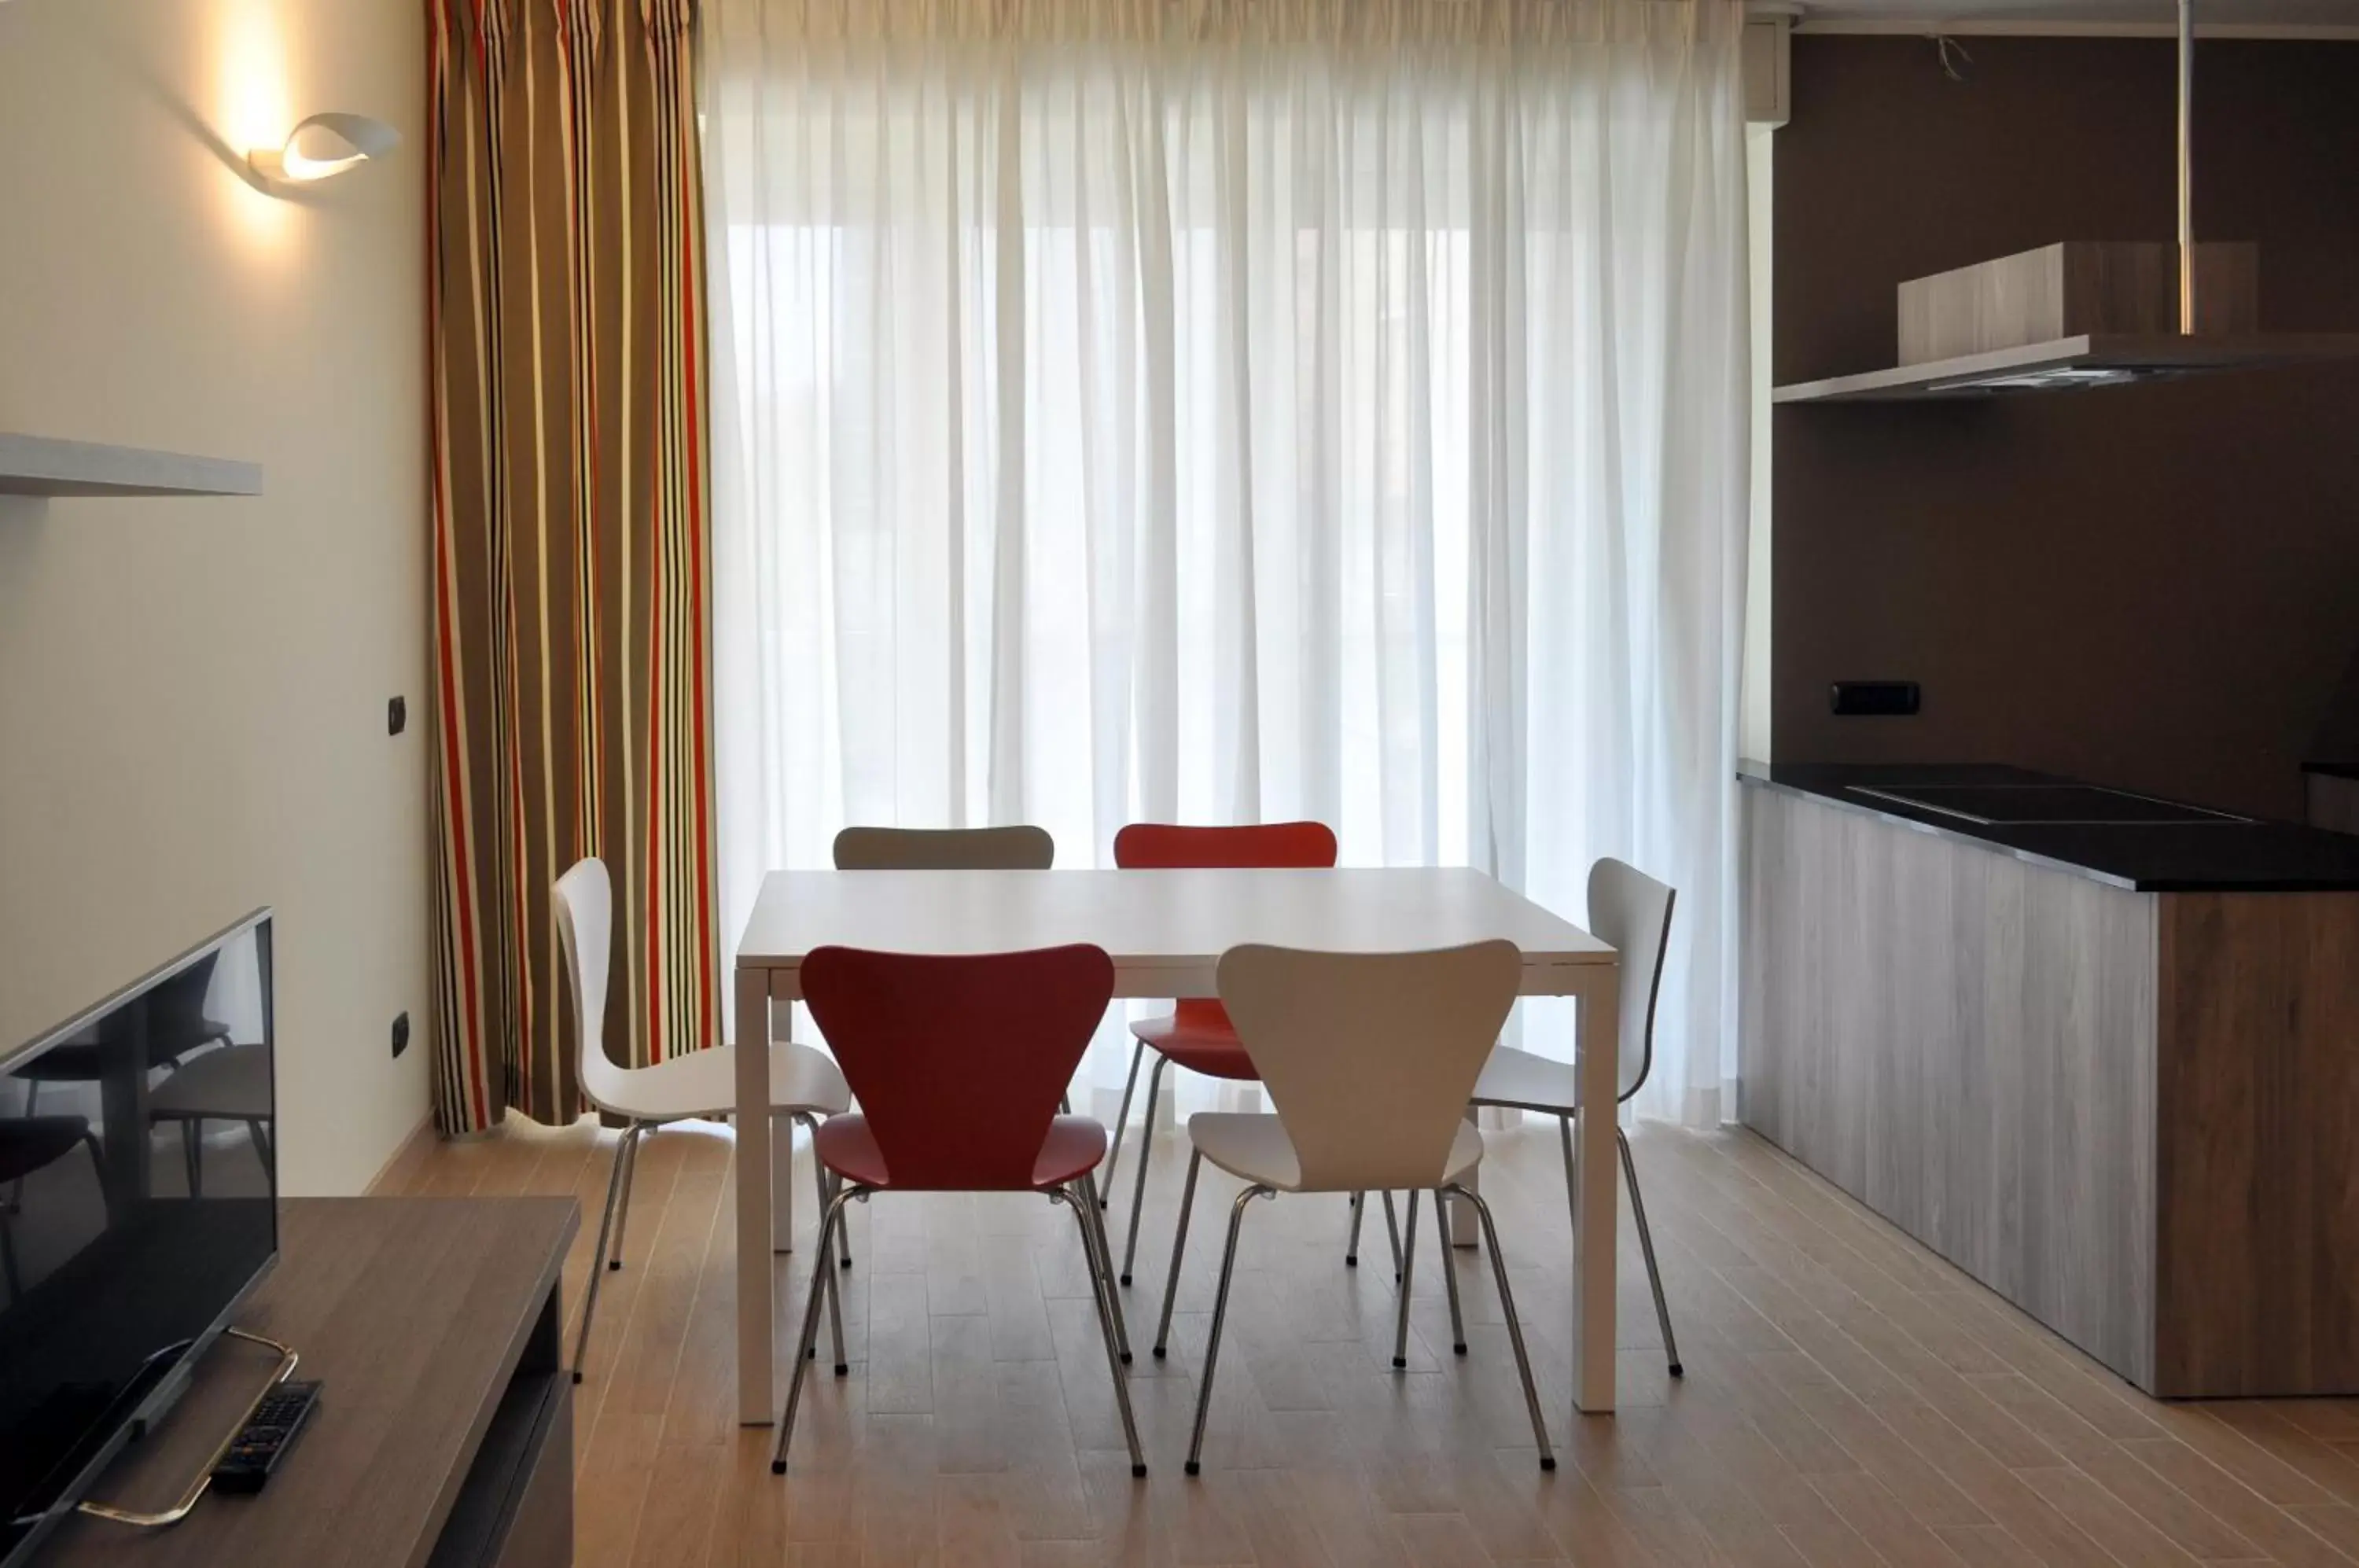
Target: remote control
[[255, 1450]]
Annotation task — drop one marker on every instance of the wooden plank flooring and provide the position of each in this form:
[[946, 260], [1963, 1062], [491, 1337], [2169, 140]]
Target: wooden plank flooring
[[1850, 1399]]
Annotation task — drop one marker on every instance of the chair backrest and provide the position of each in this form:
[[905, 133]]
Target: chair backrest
[[1162, 846], [1632, 912], [1022, 848], [585, 901], [959, 1062], [1369, 1057]]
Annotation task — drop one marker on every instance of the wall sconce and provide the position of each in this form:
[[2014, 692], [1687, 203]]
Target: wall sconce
[[323, 146]]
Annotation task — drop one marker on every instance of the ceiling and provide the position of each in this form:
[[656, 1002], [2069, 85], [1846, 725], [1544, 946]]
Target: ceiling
[[2210, 13]]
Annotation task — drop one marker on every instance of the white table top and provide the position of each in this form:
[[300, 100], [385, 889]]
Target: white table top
[[1165, 930]]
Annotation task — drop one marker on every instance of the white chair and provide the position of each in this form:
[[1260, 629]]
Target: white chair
[[1632, 911], [804, 1085], [1368, 1058]]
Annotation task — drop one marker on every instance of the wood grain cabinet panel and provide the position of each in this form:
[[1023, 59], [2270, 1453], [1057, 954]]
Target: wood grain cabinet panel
[[2134, 1115]]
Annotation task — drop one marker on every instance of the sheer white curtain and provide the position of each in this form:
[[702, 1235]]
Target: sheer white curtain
[[1239, 410]]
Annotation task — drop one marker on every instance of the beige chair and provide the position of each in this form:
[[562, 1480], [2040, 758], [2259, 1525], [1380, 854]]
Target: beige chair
[[1632, 911], [804, 1085], [1022, 848], [1368, 1058]]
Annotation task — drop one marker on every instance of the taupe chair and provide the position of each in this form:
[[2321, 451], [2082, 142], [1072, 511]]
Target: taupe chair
[[1021, 848], [1632, 911], [1369, 1059]]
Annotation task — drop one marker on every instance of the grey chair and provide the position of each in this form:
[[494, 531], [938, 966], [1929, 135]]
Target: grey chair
[[1632, 911], [1021, 848]]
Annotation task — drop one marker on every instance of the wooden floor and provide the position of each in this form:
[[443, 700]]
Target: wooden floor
[[1849, 1399]]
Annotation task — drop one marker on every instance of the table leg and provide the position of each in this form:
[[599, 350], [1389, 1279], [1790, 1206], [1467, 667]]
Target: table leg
[[1465, 1226], [753, 1307], [1594, 1243]]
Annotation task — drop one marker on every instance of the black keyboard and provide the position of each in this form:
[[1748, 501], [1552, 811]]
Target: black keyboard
[[255, 1453]]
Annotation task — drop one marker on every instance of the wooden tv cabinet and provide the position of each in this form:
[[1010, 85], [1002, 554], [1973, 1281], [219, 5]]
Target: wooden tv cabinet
[[444, 1434]]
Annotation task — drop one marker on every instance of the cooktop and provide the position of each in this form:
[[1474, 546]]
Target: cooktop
[[2044, 805]]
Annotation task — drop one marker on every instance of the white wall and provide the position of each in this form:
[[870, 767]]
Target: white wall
[[192, 692]]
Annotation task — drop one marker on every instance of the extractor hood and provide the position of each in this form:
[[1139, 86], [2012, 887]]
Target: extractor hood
[[2082, 315]]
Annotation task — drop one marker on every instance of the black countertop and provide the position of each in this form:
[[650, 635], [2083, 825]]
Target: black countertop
[[2332, 769], [2222, 857]]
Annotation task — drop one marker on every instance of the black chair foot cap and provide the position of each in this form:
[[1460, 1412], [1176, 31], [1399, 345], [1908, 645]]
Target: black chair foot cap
[[1126, 1358], [1400, 1363], [841, 1370], [577, 1377], [778, 1467], [811, 1354], [847, 1263], [1194, 1468], [1125, 1278], [1548, 1461], [1350, 1260], [1675, 1370], [614, 1267], [1159, 1353], [1460, 1349], [1138, 1472]]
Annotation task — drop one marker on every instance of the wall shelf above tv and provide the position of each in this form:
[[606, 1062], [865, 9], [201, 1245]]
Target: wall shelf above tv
[[39, 465]]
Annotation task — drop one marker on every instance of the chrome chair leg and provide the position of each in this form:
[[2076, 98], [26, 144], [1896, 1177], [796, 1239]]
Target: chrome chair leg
[[1179, 1249], [1102, 1294], [821, 1277], [1646, 1245], [1572, 1174], [1407, 1263], [1448, 1274], [1515, 1324], [1100, 1253], [630, 1174], [819, 1270], [821, 1186], [614, 1181], [1392, 1231], [1352, 1242], [1145, 1150], [1120, 1120], [1220, 1315]]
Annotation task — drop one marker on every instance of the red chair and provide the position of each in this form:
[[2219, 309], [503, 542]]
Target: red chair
[[958, 1065], [1197, 1034]]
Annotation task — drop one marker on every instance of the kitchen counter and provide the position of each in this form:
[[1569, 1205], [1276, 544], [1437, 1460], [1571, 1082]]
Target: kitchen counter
[[2106, 1069], [2227, 856]]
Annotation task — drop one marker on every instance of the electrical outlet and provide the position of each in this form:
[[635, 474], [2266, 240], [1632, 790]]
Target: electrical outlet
[[400, 1035], [397, 716]]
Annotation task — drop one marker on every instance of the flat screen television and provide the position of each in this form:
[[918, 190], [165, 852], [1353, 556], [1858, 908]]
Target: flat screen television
[[138, 1206]]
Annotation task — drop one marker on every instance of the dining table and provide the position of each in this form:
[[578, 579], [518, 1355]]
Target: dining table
[[1166, 931]]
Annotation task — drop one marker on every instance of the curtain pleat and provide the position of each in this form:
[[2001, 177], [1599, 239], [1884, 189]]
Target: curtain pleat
[[570, 562]]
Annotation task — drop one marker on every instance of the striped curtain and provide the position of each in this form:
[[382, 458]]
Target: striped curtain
[[572, 661]]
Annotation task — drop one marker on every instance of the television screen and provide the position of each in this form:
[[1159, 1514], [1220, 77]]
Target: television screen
[[138, 1204]]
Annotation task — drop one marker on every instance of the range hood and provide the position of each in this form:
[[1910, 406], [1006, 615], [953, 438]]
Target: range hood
[[2075, 316]]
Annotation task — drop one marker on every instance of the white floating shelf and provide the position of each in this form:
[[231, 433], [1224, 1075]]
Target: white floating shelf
[[2090, 360], [38, 465]]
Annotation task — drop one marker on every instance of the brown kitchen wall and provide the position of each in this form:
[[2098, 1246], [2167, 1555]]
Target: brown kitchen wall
[[2156, 587]]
